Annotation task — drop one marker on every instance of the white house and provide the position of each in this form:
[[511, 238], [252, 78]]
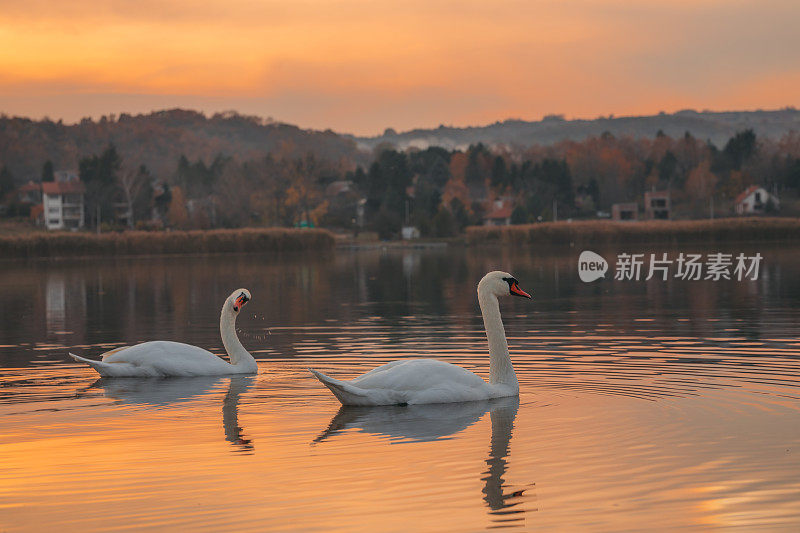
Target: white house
[[754, 200], [409, 232], [62, 203]]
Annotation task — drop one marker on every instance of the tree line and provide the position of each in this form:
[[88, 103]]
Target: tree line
[[438, 191]]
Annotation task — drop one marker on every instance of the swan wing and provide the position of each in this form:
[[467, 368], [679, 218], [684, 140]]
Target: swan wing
[[160, 358], [411, 381], [418, 375]]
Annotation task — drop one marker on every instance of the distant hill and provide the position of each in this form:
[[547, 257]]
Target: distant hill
[[717, 127], [157, 140]]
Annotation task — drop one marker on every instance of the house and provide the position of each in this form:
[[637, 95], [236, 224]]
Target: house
[[499, 213], [30, 193], [500, 216], [19, 201], [63, 206], [345, 205], [755, 200], [335, 188], [657, 205], [626, 211], [409, 232]]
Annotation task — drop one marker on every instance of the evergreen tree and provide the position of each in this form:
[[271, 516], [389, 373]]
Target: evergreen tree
[[519, 215], [6, 182], [499, 172], [740, 148], [667, 167], [47, 172], [99, 175]]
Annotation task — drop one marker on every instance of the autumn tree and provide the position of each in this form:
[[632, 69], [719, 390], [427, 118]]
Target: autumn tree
[[177, 214], [133, 181], [701, 182], [303, 194]]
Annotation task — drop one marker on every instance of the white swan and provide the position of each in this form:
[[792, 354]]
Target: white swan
[[167, 358], [420, 381]]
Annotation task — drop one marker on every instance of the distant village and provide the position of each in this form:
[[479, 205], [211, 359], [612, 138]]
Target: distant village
[[417, 192], [60, 205]]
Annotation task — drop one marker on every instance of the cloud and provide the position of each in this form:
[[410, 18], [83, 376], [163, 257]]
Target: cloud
[[362, 66]]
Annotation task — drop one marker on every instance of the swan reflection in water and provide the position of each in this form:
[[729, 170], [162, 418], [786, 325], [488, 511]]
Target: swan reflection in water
[[430, 422], [163, 392]]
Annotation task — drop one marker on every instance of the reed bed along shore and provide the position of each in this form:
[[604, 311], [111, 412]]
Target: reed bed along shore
[[167, 242], [600, 232]]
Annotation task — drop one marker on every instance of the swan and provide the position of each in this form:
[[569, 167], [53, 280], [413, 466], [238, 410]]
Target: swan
[[422, 381], [167, 358]]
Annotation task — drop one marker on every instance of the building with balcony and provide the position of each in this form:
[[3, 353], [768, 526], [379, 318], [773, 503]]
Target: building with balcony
[[63, 204]]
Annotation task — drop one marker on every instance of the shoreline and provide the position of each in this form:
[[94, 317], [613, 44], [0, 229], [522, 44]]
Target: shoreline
[[259, 240], [596, 232], [136, 243]]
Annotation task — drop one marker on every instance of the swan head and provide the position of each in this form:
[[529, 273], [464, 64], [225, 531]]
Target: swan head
[[501, 284], [239, 299]]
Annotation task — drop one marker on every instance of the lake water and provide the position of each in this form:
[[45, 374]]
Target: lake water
[[643, 404]]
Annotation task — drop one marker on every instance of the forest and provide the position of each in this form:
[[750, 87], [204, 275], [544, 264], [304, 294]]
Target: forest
[[319, 179]]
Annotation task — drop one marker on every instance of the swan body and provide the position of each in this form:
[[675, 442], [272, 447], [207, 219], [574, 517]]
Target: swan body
[[426, 381], [167, 358]]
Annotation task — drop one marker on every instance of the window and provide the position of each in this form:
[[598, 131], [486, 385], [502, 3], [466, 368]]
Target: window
[[52, 210], [758, 197], [54, 222]]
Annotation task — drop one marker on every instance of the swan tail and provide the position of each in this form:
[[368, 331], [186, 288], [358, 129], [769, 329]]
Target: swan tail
[[345, 392], [104, 369], [97, 365]]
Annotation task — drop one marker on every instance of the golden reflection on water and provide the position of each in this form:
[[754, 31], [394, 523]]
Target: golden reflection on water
[[662, 405]]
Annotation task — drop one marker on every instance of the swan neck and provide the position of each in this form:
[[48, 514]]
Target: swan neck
[[501, 371], [227, 329]]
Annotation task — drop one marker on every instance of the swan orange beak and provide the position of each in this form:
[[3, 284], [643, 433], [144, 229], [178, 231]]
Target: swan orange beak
[[239, 303], [516, 291]]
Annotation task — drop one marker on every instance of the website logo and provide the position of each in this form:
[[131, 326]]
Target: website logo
[[591, 266], [686, 266]]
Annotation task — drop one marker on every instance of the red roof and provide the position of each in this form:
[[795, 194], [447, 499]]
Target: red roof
[[62, 187], [30, 186], [501, 212], [750, 190]]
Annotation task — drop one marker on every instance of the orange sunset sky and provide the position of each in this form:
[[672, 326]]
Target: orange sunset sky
[[362, 66]]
